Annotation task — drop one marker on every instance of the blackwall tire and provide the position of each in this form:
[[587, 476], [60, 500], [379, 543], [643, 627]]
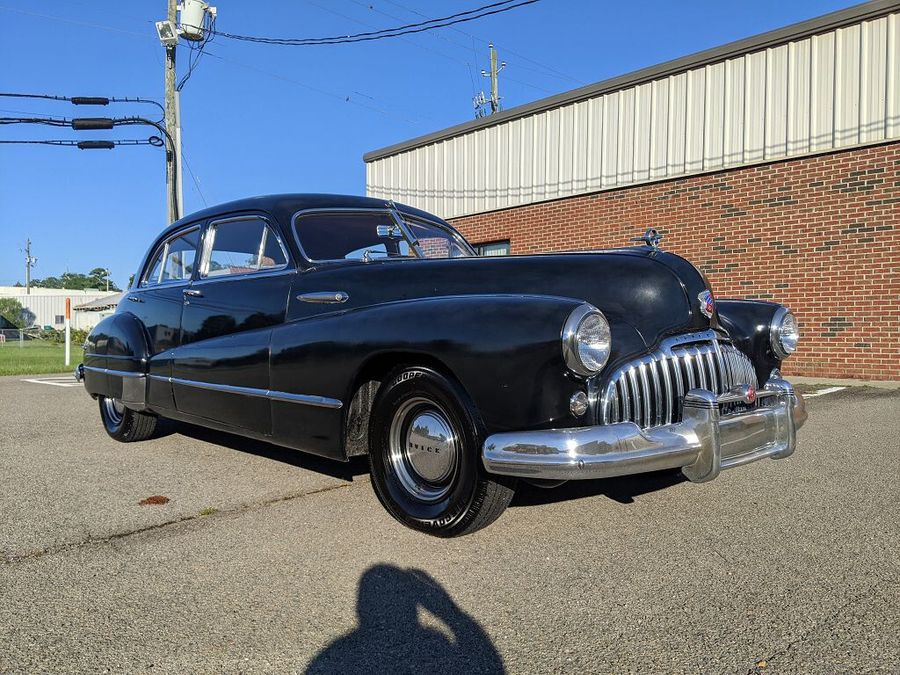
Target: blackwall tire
[[425, 456], [123, 424]]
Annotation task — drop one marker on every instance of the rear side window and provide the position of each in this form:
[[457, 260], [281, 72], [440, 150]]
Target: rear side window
[[175, 260], [349, 236], [242, 247]]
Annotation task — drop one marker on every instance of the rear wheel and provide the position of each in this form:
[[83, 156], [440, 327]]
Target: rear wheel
[[123, 424], [425, 457]]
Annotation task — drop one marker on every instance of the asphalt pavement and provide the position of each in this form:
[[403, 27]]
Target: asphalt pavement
[[267, 560]]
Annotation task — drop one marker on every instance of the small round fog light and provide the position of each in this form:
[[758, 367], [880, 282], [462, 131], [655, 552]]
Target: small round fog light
[[578, 404]]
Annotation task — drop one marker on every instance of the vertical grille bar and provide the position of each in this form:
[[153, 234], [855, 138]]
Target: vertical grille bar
[[635, 396], [657, 391], [713, 376], [645, 397], [667, 391]]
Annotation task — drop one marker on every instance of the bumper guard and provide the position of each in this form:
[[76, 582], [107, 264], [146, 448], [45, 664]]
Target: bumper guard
[[702, 444]]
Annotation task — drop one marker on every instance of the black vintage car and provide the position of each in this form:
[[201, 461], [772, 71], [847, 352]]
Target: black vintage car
[[346, 326]]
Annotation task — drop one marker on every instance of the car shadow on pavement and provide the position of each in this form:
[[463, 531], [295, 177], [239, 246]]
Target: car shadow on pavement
[[622, 489], [357, 466], [392, 637]]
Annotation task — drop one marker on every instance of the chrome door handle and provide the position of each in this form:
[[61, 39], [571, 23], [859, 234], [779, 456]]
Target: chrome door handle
[[192, 293], [134, 298], [324, 297]]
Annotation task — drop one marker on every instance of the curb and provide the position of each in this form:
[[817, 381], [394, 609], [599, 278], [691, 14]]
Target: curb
[[878, 384]]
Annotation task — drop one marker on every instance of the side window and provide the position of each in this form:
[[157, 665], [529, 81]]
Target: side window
[[349, 236], [242, 247], [175, 260]]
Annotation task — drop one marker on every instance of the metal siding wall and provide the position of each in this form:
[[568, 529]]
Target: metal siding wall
[[829, 91]]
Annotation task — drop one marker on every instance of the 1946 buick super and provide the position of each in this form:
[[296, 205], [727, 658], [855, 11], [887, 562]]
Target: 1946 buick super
[[344, 326]]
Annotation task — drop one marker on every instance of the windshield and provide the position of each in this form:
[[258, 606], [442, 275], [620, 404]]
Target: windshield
[[438, 242]]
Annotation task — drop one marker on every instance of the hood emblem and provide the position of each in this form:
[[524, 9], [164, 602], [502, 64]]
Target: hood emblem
[[651, 238], [707, 304]]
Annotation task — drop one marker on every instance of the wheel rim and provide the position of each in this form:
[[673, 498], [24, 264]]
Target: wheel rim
[[424, 449], [114, 410]]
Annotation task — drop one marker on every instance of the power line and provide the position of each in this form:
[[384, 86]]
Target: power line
[[155, 141], [84, 100], [419, 45], [330, 94], [507, 50], [78, 23], [422, 26], [197, 50], [193, 177], [445, 39]]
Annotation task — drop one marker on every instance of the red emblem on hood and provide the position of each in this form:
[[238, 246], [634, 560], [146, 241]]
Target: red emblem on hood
[[707, 304], [751, 394]]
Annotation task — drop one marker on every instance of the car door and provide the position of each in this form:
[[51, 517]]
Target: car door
[[221, 368], [157, 300]]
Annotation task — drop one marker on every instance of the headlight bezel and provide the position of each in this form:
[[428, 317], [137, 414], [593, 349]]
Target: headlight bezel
[[570, 340], [776, 333]]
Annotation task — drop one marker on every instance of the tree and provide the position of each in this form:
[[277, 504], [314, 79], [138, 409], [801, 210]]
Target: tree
[[12, 310], [76, 281]]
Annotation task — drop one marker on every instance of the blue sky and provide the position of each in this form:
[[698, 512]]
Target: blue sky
[[261, 119]]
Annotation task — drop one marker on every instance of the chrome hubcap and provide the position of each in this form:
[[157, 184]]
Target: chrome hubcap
[[114, 410], [424, 449]]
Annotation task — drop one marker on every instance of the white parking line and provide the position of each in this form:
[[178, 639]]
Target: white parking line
[[822, 392], [55, 381]]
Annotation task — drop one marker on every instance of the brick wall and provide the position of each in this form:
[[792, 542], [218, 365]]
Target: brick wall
[[820, 234]]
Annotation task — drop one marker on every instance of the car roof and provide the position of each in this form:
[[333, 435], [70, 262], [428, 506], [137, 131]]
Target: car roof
[[284, 206]]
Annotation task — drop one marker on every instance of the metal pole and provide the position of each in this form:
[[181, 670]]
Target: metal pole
[[495, 96], [170, 120], [68, 331], [178, 160], [28, 267]]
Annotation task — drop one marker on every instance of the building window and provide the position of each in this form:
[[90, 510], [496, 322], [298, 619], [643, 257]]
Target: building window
[[492, 248], [60, 319]]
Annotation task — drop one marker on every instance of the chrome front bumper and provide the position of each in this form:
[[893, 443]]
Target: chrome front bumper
[[702, 444]]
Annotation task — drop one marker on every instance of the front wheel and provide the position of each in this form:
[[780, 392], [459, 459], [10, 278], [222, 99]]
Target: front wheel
[[425, 456], [123, 424]]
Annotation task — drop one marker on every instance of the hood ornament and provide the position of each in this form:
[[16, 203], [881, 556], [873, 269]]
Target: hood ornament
[[651, 238]]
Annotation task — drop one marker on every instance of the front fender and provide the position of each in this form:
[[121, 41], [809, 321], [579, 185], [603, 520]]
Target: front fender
[[747, 323], [504, 350]]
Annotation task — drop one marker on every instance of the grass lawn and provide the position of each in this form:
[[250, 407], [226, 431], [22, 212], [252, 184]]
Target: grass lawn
[[35, 357]]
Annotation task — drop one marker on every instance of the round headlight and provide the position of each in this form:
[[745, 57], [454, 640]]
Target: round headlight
[[784, 333], [586, 341]]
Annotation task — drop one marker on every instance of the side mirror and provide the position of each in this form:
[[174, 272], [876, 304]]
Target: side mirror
[[389, 232]]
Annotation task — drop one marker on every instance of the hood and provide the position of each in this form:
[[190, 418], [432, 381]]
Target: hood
[[652, 293]]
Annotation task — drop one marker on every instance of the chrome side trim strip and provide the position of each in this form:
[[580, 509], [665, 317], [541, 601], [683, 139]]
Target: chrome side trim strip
[[110, 371], [286, 397]]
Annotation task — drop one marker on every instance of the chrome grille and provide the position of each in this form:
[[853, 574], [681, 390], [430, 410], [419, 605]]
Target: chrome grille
[[649, 391]]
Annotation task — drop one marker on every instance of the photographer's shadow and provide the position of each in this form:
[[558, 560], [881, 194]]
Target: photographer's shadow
[[391, 638]]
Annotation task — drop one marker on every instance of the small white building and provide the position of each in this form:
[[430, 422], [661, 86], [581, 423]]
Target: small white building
[[49, 305]]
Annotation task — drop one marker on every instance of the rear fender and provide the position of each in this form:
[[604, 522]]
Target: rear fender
[[116, 354]]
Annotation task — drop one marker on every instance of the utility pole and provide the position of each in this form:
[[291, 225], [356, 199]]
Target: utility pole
[[171, 112], [30, 261], [495, 85]]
